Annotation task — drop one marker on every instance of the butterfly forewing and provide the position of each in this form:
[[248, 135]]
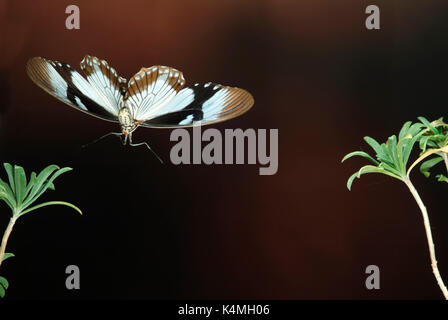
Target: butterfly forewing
[[202, 103], [105, 80], [66, 84], [151, 89]]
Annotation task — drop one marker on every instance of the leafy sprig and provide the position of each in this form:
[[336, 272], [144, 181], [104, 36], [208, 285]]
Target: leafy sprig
[[433, 143], [392, 159], [20, 195]]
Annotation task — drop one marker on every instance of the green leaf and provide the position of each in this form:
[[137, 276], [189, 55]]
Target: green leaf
[[20, 184], [50, 203], [428, 164], [2, 192], [404, 130], [428, 125], [48, 184], [369, 169], [4, 283], [442, 178], [432, 144], [401, 149], [374, 145], [40, 180], [416, 129], [361, 154], [392, 148], [10, 198], [2, 292], [423, 119], [423, 142], [408, 149], [373, 169], [390, 169], [7, 255], [350, 180], [10, 173], [386, 154], [30, 184]]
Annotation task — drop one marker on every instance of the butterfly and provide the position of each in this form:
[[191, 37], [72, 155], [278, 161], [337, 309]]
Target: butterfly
[[154, 97]]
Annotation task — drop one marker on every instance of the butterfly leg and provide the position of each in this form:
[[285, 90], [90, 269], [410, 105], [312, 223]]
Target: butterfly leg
[[119, 134], [141, 144]]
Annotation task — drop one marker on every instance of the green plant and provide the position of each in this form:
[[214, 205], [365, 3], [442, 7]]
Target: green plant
[[433, 143], [391, 159], [20, 195]]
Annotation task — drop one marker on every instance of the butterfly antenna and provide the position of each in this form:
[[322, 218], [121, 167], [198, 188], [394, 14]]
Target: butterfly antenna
[[147, 145], [106, 135]]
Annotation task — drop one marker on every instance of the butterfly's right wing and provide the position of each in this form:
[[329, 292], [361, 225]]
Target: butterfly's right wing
[[202, 104], [67, 85], [151, 89]]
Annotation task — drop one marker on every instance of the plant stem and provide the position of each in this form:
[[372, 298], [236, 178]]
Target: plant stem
[[6, 236], [432, 252]]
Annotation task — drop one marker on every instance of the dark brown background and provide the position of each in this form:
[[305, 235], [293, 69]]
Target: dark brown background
[[165, 231]]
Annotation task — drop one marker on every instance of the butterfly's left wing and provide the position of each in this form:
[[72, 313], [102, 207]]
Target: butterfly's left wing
[[201, 104], [67, 85]]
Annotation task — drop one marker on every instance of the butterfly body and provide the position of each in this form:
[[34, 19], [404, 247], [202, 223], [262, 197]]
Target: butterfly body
[[127, 122], [154, 97]]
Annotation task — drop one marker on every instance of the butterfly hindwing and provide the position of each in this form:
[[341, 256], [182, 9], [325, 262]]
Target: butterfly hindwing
[[66, 84], [151, 89], [202, 103]]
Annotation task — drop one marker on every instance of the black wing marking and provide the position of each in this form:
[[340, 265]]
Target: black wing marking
[[204, 104], [67, 85]]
